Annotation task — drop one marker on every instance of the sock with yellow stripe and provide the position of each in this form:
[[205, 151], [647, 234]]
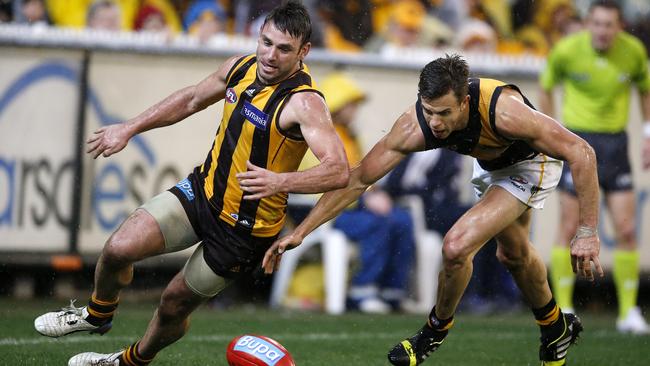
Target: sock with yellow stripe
[[548, 314], [626, 278], [100, 312], [562, 276], [131, 357], [437, 324]]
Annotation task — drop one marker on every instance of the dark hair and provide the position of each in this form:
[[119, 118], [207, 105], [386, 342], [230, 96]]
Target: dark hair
[[443, 74], [607, 4], [291, 17]]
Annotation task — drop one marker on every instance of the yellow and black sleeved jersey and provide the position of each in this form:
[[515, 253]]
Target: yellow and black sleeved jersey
[[480, 137], [250, 130]]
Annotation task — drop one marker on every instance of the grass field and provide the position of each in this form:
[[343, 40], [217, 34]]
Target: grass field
[[317, 339]]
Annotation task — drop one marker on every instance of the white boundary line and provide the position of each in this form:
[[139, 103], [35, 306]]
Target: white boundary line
[[308, 337]]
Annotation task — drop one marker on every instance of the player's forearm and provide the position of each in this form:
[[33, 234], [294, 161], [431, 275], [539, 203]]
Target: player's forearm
[[331, 204], [645, 106], [585, 180], [170, 110], [323, 177], [645, 112]]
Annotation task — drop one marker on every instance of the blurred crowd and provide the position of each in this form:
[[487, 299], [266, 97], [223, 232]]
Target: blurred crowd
[[502, 26]]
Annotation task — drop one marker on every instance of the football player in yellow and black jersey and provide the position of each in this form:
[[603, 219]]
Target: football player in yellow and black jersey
[[234, 203], [519, 156]]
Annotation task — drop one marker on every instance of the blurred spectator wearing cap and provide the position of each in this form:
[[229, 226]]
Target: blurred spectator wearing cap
[[204, 19], [157, 16], [383, 231], [409, 25], [476, 36]]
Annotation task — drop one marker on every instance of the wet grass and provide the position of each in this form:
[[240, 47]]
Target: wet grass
[[317, 339]]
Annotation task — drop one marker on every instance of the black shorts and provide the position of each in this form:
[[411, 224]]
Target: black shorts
[[229, 251], [614, 172]]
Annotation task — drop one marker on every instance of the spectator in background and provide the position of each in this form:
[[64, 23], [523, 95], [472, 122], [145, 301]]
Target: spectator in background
[[104, 15], [204, 19], [349, 32], [74, 13], [150, 19], [31, 12], [383, 231], [476, 36], [403, 28], [598, 68], [157, 16]]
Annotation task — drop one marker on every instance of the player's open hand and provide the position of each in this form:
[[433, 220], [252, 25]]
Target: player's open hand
[[273, 255], [108, 140], [258, 183], [585, 251]]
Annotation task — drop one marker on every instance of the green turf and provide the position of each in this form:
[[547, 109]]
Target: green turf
[[316, 339]]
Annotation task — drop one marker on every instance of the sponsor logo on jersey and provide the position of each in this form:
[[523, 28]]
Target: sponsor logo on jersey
[[518, 186], [518, 179], [186, 187], [250, 92], [260, 349], [255, 116], [231, 96]]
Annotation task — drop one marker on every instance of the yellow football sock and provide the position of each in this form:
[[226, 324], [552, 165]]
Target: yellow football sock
[[562, 276], [626, 278]]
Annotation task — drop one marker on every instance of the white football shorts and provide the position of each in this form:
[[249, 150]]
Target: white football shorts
[[531, 181]]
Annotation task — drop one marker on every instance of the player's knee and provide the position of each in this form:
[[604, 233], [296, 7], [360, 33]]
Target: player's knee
[[627, 233], [115, 252], [455, 250]]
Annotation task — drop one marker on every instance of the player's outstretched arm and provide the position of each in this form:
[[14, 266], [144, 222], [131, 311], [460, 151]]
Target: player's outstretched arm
[[307, 112], [516, 120], [404, 137], [109, 140]]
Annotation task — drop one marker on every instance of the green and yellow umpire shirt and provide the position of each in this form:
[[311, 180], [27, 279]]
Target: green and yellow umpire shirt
[[596, 84]]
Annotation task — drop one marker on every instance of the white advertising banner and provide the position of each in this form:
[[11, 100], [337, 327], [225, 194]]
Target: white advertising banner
[[121, 87], [38, 109]]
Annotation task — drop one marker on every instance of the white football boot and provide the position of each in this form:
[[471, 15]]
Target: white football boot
[[633, 323], [68, 320], [95, 359]]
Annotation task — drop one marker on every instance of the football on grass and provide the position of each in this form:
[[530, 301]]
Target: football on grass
[[257, 350]]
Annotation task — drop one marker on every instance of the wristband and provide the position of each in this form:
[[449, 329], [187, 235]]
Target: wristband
[[585, 232], [646, 129]]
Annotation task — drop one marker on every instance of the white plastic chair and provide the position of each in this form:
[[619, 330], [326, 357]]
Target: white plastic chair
[[335, 261], [428, 252]]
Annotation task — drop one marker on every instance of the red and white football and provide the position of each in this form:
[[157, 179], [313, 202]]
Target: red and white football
[[257, 350]]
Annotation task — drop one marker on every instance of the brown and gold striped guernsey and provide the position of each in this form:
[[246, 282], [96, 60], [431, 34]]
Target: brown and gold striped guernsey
[[249, 130], [480, 138]]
